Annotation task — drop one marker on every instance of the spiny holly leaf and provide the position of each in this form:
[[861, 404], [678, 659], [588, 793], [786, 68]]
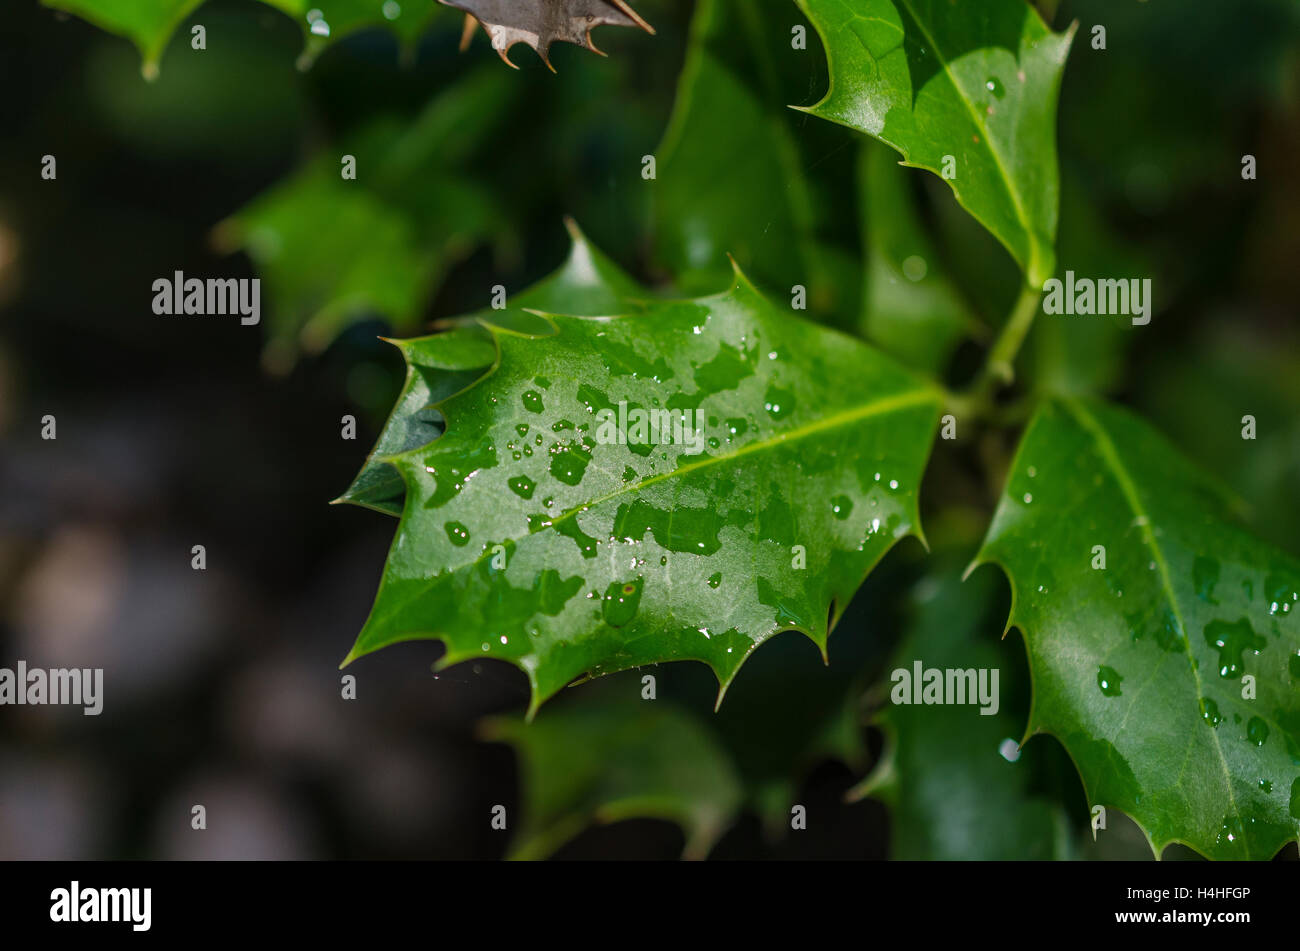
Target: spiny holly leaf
[[944, 772], [731, 138], [149, 24], [587, 284], [910, 307], [539, 23], [1140, 668], [331, 249], [436, 367], [613, 756], [554, 527], [969, 85]]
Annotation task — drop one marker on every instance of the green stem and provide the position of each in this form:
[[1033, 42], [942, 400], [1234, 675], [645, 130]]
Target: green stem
[[999, 367]]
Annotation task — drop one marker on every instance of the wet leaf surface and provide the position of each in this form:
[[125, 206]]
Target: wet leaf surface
[[1171, 675], [676, 485], [975, 83]]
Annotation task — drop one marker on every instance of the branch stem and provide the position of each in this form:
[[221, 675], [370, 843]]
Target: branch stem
[[999, 366]]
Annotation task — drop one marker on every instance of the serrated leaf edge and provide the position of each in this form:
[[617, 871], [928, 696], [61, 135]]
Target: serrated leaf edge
[[924, 393], [1032, 728]]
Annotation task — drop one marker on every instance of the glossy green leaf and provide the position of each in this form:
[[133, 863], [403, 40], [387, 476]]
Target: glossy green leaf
[[149, 24], [610, 757], [732, 173], [533, 532], [910, 307], [1139, 667], [955, 784], [587, 284], [976, 82]]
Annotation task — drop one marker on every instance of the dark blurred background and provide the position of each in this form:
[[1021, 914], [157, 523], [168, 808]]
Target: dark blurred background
[[221, 685]]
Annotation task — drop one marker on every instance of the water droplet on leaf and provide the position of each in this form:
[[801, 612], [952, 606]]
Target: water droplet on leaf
[[1108, 679]]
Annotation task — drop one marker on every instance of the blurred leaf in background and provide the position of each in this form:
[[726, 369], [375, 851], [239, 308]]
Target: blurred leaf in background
[[332, 248], [612, 756], [909, 307], [735, 170], [150, 24], [956, 781]]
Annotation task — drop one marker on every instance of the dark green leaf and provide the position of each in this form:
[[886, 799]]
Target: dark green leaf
[[149, 24], [910, 307], [732, 169], [1139, 667], [613, 756], [332, 250], [945, 773], [1078, 357], [1201, 391]]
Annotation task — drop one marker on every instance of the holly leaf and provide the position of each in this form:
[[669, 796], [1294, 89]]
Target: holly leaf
[[967, 91], [955, 783], [611, 757], [437, 366], [729, 138], [553, 527], [910, 307], [149, 24], [1171, 674], [539, 23]]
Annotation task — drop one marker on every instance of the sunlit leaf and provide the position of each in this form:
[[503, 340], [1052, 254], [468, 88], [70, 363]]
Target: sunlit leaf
[[533, 532], [969, 89]]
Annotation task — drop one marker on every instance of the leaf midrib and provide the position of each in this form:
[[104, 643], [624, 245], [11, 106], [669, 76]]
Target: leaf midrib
[[877, 407], [1110, 455], [1007, 181]]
